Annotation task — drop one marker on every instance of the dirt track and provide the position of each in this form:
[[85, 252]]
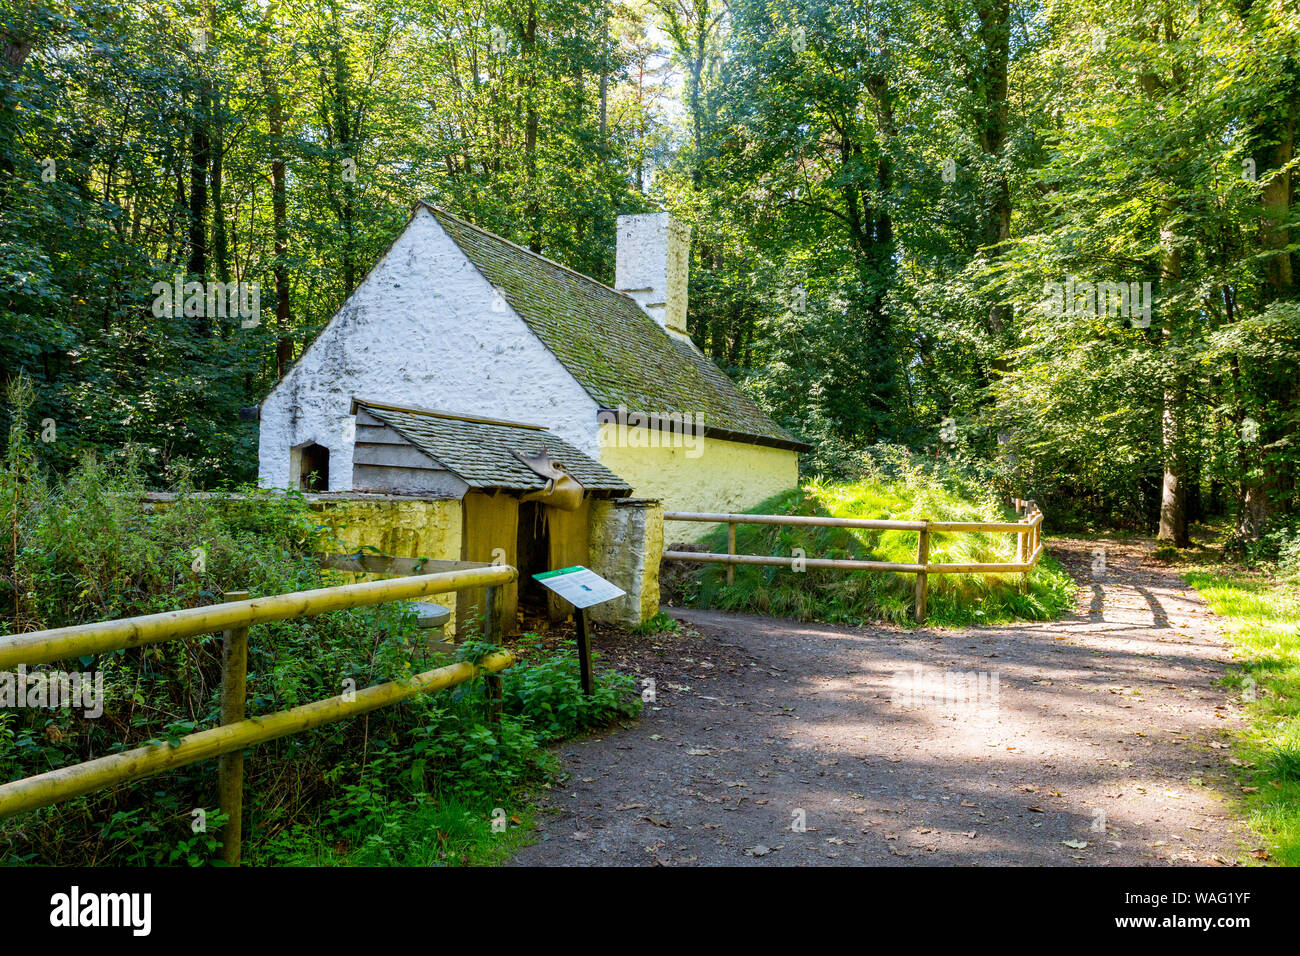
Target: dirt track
[[1105, 729]]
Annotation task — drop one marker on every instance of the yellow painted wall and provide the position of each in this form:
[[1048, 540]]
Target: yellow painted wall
[[402, 527], [723, 475]]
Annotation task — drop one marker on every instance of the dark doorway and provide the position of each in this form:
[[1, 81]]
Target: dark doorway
[[314, 468], [533, 552]]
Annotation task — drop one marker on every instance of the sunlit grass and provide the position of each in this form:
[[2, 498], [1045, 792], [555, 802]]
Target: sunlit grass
[[851, 596], [1261, 616]]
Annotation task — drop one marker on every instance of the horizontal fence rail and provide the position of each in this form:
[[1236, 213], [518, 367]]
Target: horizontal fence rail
[[237, 733], [55, 786], [779, 561], [1029, 548], [62, 643]]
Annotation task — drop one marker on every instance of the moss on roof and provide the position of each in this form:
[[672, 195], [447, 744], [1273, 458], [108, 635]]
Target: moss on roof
[[480, 451], [613, 349]]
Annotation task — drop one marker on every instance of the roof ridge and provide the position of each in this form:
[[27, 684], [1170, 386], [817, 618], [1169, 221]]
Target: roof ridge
[[438, 413], [536, 255]]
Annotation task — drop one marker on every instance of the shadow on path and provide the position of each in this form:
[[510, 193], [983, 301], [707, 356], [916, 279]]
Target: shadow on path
[[1092, 740]]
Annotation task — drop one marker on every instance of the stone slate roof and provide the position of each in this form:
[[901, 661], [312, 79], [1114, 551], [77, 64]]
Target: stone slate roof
[[478, 450], [613, 349]]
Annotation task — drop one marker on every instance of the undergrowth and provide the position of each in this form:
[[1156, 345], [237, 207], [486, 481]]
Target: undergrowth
[[414, 783], [851, 596]]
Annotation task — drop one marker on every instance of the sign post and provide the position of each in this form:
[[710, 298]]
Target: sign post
[[582, 588]]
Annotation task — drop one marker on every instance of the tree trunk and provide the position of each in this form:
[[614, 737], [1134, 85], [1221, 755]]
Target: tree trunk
[[217, 120], [534, 204], [15, 46], [1260, 475], [199, 160], [279, 209], [1173, 492]]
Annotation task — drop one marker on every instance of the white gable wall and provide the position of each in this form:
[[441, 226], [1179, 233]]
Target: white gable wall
[[424, 328]]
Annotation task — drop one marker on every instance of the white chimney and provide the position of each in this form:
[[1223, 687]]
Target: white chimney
[[653, 264]]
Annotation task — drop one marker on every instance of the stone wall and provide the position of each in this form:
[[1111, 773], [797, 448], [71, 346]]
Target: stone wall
[[396, 525], [627, 543]]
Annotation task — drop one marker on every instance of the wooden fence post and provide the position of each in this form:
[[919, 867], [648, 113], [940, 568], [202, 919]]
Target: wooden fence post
[[230, 767], [922, 577], [492, 635], [731, 549], [1034, 535], [1022, 555]]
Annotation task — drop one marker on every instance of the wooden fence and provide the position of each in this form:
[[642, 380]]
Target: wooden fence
[[235, 733], [1029, 547]]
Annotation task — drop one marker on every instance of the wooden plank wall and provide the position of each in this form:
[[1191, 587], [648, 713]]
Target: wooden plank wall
[[570, 545], [490, 522]]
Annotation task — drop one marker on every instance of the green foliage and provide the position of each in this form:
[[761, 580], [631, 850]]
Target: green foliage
[[100, 199], [427, 795], [88, 549], [1262, 615], [658, 624], [886, 195], [878, 198], [549, 694], [858, 596]]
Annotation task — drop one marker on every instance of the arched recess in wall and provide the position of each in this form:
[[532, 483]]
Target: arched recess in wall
[[309, 467]]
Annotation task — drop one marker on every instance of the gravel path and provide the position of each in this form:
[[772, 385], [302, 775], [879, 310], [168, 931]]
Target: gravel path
[[1093, 740]]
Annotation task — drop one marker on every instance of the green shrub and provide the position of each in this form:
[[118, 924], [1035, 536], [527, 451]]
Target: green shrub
[[84, 549], [657, 625], [549, 696]]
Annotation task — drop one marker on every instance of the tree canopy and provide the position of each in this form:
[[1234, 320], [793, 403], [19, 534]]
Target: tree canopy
[[1055, 237]]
